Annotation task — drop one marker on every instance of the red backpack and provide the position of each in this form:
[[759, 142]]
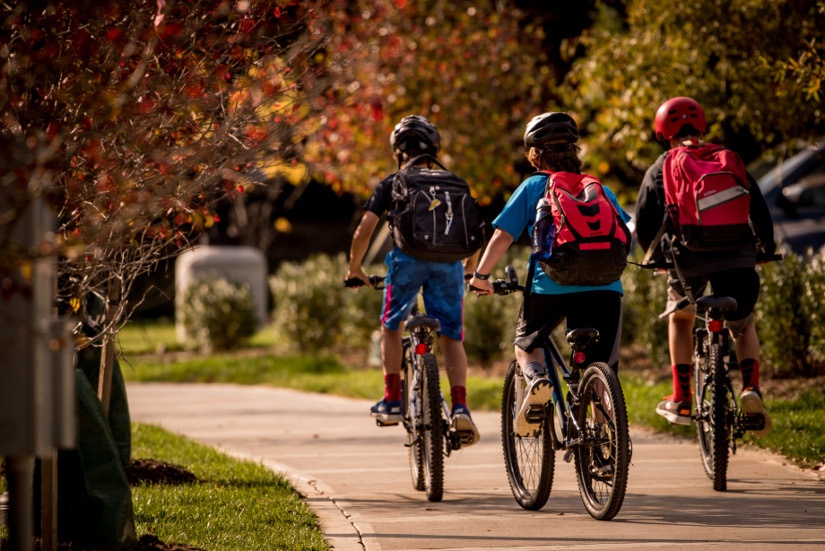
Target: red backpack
[[579, 238], [707, 197]]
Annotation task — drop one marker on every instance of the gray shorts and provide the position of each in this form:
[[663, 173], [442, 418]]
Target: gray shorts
[[740, 283]]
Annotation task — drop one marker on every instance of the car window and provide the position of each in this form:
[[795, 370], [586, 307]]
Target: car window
[[783, 169]]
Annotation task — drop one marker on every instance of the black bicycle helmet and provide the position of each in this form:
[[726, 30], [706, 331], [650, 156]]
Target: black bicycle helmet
[[551, 127], [418, 128]]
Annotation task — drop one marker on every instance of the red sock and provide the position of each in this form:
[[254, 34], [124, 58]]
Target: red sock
[[750, 373], [681, 383], [458, 396], [392, 387]]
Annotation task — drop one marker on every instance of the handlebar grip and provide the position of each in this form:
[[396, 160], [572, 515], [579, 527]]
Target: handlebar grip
[[375, 280], [764, 259]]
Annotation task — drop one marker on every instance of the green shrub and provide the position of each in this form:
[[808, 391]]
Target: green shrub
[[645, 296], [814, 309], [217, 314], [309, 303], [784, 332], [490, 322], [362, 309]]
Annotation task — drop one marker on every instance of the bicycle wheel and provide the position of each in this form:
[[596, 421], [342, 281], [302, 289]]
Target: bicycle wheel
[[413, 421], [432, 430], [603, 456], [712, 414], [529, 460]]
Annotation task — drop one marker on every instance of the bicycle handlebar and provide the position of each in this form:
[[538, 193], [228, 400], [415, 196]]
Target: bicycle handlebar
[[668, 265], [376, 281], [505, 286]]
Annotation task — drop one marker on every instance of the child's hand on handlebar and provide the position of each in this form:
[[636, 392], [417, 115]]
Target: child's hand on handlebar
[[351, 280], [481, 287]]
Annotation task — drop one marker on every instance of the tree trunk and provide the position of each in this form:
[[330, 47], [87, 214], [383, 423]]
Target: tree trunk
[[107, 357]]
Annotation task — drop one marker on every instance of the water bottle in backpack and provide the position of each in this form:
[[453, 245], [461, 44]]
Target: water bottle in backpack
[[544, 231]]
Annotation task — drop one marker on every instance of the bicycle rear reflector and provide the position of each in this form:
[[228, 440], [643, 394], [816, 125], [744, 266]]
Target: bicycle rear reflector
[[716, 326], [421, 348]]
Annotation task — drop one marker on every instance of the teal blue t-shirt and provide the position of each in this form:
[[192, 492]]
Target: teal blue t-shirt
[[519, 214]]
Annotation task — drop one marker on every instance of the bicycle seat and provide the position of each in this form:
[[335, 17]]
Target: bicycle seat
[[725, 304], [582, 336], [423, 321]]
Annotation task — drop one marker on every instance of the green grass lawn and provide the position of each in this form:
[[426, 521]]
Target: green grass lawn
[[233, 505]]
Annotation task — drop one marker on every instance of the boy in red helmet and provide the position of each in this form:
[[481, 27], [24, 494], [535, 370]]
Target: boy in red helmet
[[680, 123]]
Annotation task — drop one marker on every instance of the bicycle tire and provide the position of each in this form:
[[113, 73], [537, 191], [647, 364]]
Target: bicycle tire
[[413, 422], [603, 456], [433, 429], [713, 416], [530, 460]]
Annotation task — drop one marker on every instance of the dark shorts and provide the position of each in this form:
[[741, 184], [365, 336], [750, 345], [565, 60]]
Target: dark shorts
[[600, 310], [740, 283]]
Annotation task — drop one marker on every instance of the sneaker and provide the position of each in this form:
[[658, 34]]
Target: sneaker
[[539, 392], [387, 413], [678, 413], [752, 405], [463, 424]]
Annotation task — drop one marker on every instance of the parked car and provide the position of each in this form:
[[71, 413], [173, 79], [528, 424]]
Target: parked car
[[794, 189]]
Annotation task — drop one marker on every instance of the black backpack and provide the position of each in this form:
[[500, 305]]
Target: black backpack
[[434, 217]]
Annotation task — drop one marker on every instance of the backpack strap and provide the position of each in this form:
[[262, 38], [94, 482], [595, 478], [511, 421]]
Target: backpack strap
[[415, 160], [656, 240]]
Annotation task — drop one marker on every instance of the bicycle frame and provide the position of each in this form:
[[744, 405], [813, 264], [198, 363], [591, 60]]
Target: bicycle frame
[[590, 425], [713, 333], [567, 427]]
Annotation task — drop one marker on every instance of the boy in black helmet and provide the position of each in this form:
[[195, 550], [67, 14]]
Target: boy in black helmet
[[442, 282], [680, 123], [550, 140]]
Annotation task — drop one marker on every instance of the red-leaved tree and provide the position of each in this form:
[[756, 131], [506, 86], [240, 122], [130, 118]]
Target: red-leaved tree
[[133, 118]]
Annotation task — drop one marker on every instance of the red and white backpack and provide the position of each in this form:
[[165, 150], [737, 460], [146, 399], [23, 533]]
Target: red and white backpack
[[707, 197]]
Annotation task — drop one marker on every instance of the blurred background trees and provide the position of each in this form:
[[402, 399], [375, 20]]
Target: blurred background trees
[[150, 123]]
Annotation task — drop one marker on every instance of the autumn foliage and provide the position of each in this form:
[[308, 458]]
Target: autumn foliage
[[133, 118], [477, 70]]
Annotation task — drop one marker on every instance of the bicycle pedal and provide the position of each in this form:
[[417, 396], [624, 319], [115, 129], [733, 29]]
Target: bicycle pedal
[[535, 414], [753, 421], [568, 456], [604, 472], [381, 423]]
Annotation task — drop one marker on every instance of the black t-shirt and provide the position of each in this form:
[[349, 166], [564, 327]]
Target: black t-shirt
[[650, 213], [381, 199]]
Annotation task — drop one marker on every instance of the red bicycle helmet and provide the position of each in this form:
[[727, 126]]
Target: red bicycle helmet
[[674, 114]]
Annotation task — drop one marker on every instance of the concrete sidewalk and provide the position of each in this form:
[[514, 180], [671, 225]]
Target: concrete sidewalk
[[356, 477]]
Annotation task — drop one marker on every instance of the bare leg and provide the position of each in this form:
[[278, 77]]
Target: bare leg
[[455, 360], [391, 350], [680, 337]]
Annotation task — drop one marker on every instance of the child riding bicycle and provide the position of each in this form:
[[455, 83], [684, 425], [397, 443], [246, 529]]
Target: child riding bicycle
[[730, 270], [442, 283], [550, 142]]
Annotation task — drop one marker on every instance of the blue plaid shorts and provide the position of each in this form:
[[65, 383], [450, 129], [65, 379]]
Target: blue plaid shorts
[[443, 290]]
